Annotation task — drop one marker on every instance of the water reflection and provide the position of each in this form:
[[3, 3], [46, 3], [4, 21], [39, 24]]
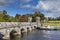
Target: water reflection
[[15, 38], [38, 35]]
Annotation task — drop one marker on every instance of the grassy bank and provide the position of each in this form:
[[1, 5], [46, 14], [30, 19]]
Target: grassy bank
[[53, 23]]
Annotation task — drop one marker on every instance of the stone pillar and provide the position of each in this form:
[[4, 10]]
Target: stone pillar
[[18, 30], [7, 35], [19, 24], [38, 21], [30, 28], [25, 29], [30, 21]]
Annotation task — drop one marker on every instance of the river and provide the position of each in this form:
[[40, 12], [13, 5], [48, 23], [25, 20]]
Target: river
[[39, 35]]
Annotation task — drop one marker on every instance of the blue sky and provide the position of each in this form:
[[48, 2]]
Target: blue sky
[[50, 8]]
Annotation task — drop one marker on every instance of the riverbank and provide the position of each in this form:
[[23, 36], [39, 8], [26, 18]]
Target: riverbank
[[53, 23]]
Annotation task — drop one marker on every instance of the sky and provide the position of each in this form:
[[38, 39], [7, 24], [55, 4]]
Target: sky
[[50, 8]]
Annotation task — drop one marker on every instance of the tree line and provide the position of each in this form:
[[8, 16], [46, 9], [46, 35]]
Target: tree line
[[5, 17], [54, 19]]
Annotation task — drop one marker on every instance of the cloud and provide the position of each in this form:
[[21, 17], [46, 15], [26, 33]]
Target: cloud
[[7, 1], [4, 2], [50, 7], [26, 0], [26, 6]]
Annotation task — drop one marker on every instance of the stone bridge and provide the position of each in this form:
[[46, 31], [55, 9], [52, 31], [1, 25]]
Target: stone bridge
[[7, 27]]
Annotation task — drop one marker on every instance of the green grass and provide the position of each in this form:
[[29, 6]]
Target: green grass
[[53, 23]]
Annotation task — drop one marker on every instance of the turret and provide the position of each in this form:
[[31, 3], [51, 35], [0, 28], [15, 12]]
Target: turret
[[29, 19], [38, 21]]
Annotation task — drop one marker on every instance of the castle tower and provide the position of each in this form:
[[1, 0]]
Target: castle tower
[[29, 19], [38, 21]]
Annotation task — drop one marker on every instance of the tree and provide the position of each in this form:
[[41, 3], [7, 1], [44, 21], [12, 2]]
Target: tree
[[24, 18], [58, 18], [38, 14], [6, 17], [17, 16], [2, 20], [4, 12]]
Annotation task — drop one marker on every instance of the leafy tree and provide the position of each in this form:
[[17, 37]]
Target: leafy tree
[[58, 18], [17, 17], [38, 14], [6, 17], [4, 12], [2, 20], [22, 18]]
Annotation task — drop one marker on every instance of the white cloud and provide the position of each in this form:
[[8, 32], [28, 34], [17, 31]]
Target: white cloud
[[53, 6], [4, 2], [25, 1], [7, 1], [42, 6], [48, 5]]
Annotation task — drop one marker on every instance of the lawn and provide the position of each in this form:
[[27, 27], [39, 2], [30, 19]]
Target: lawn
[[53, 23]]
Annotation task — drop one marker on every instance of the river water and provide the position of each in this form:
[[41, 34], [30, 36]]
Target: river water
[[39, 35]]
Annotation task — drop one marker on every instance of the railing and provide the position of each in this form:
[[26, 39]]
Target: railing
[[16, 24]]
